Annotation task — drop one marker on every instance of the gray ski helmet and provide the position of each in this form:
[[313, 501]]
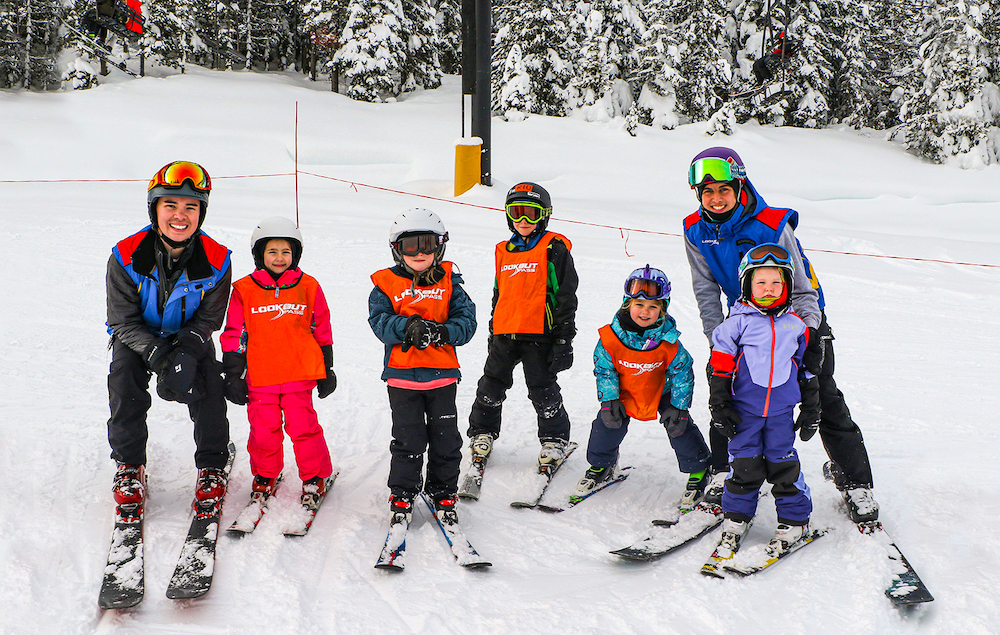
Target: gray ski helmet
[[179, 178], [531, 193], [417, 220], [275, 227]]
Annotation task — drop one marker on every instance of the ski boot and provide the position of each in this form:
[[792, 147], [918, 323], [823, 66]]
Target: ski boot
[[313, 491], [694, 490], [715, 487], [785, 536], [444, 508], [552, 455], [262, 488], [210, 490], [594, 477], [401, 506]]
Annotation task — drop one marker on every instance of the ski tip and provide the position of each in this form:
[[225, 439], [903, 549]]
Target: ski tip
[[389, 567], [550, 509]]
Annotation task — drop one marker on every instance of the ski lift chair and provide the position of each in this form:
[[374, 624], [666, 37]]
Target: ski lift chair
[[121, 17]]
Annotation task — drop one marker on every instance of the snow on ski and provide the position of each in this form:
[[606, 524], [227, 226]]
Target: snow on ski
[[465, 553], [666, 536], [309, 510], [394, 548], [248, 519], [540, 482], [758, 561], [575, 500], [124, 584], [192, 577], [472, 484]]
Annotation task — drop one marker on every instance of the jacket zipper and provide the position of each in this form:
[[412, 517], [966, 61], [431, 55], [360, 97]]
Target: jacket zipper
[[770, 378]]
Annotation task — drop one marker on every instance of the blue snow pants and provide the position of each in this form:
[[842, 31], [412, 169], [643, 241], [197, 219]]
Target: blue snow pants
[[690, 447], [764, 449]]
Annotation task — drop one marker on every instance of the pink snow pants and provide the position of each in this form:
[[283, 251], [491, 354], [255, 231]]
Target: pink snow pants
[[300, 422]]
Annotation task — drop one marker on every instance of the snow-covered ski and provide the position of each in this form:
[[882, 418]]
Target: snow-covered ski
[[768, 558], [124, 584], [100, 51], [540, 481], [248, 519], [309, 509], [575, 499], [394, 548], [906, 586], [472, 484], [666, 536], [465, 553], [713, 567], [192, 577]]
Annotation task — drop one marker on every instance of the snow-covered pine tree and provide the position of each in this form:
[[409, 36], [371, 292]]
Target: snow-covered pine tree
[[29, 44], [319, 27], [811, 70], [607, 33], [373, 52], [449, 25], [215, 24], [515, 96], [421, 68], [266, 33], [956, 109], [656, 76], [704, 47], [166, 38], [539, 29]]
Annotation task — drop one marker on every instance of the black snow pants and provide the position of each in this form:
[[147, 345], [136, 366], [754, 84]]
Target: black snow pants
[[424, 421]]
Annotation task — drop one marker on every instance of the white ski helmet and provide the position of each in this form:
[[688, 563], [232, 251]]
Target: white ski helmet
[[275, 227], [417, 220]]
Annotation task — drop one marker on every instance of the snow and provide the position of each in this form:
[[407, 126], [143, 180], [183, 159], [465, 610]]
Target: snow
[[916, 349]]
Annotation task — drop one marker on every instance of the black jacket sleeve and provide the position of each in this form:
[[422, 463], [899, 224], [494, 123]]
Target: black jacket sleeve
[[125, 311], [563, 308]]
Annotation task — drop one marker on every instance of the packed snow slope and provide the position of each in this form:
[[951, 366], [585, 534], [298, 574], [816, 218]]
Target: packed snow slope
[[917, 349]]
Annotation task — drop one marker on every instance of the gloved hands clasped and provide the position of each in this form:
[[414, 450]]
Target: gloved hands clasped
[[176, 380], [422, 333]]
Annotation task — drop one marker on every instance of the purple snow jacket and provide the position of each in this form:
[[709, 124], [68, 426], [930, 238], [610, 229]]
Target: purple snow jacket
[[766, 353]]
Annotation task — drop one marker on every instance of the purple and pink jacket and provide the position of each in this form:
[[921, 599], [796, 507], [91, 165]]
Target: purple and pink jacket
[[764, 354]]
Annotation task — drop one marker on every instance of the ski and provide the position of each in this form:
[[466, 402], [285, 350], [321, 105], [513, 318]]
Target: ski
[[576, 499], [394, 548], [666, 536], [311, 505], [769, 558], [100, 51], [473, 481], [541, 481], [123, 584], [192, 577], [906, 586], [248, 519], [465, 553]]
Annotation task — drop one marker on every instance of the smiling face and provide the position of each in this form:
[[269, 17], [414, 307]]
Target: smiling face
[[420, 262], [718, 198], [278, 255], [177, 217], [524, 228], [644, 312]]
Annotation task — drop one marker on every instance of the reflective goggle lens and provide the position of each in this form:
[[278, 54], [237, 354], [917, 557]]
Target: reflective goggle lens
[[421, 243], [531, 212], [650, 289], [176, 173], [717, 169], [775, 253]]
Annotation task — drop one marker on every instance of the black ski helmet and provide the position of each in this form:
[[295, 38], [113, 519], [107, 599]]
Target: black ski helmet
[[179, 178], [532, 193]]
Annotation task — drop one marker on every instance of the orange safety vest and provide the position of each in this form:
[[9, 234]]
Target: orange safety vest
[[431, 303], [641, 374], [280, 344], [522, 278]]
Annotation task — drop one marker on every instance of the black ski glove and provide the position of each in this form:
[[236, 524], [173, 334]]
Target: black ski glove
[[720, 403], [675, 420], [191, 342], [157, 355], [613, 414], [815, 353], [422, 333], [177, 381], [234, 365], [326, 386], [561, 355], [810, 413]]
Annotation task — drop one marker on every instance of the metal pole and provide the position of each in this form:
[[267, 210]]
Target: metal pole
[[481, 96]]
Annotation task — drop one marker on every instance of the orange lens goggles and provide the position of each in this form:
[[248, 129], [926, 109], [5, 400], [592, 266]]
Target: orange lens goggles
[[174, 174]]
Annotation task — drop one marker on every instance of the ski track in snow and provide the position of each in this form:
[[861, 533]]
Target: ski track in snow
[[916, 350]]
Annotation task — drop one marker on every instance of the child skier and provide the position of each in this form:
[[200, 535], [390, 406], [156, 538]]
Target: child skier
[[277, 346], [533, 323], [420, 311], [641, 369], [757, 378]]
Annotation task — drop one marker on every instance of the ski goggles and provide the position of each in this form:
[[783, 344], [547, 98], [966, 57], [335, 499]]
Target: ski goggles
[[527, 211], [715, 169], [764, 253], [176, 173], [420, 244], [644, 288]]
